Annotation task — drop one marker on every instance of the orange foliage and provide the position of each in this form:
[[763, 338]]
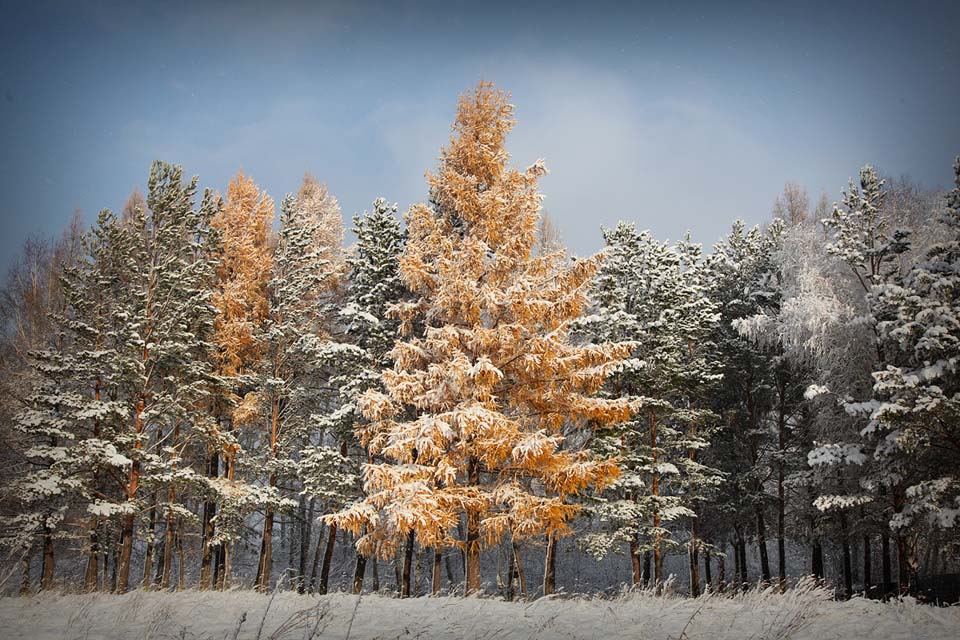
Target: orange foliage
[[477, 405], [240, 296]]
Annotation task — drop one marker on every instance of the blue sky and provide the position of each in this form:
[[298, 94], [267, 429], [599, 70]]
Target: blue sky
[[676, 117]]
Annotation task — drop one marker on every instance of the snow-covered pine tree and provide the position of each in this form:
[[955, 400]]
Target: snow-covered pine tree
[[860, 236], [70, 419], [653, 294], [470, 424], [919, 410], [292, 385], [158, 337], [374, 287], [740, 275]]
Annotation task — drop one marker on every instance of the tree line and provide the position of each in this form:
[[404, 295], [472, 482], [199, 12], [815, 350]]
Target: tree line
[[192, 390]]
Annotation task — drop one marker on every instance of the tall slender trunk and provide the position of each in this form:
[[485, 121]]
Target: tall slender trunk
[[708, 578], [437, 564], [635, 560], [472, 573], [151, 545], [265, 563], [306, 532], [722, 571], [327, 559], [655, 492], [358, 573], [91, 574], [511, 592], [170, 520], [867, 564], [375, 578], [693, 553], [816, 562], [847, 558], [133, 483], [209, 552], [316, 561], [693, 548], [781, 492], [762, 546], [886, 572], [407, 564], [646, 568], [521, 576], [549, 566], [181, 562], [25, 571], [49, 560]]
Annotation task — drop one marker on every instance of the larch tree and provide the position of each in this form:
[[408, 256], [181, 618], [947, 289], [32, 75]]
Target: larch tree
[[240, 298], [470, 425]]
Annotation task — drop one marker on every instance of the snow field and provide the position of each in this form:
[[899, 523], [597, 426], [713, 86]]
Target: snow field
[[805, 612]]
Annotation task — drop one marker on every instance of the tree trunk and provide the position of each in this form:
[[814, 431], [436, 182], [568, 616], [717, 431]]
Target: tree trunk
[[208, 552], [316, 561], [265, 563], [91, 574], [375, 586], [437, 565], [358, 573], [867, 565], [181, 563], [781, 490], [646, 568], [722, 571], [693, 551], [126, 547], [635, 560], [885, 568], [762, 546], [305, 516], [472, 573], [847, 559], [25, 571], [407, 563], [521, 576], [708, 586], [511, 593], [49, 561], [148, 556], [550, 566], [327, 559], [817, 559], [655, 492]]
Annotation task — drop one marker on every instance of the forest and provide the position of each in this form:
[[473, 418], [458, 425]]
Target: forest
[[209, 391]]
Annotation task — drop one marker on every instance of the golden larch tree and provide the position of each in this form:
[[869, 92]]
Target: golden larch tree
[[240, 298], [487, 381]]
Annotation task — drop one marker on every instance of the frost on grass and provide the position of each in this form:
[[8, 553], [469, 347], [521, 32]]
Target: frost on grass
[[804, 612]]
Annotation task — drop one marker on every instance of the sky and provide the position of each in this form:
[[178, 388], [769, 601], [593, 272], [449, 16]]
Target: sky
[[677, 116]]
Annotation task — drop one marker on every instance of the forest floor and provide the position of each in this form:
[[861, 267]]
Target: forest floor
[[242, 615]]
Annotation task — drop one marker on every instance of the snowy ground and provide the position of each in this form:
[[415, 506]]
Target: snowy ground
[[235, 615]]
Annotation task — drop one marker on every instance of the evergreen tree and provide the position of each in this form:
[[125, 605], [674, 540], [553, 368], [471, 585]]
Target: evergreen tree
[[652, 294]]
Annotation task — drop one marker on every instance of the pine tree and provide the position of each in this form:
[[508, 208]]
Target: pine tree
[[70, 419], [374, 287], [470, 423], [166, 306], [653, 295], [920, 396], [305, 280]]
